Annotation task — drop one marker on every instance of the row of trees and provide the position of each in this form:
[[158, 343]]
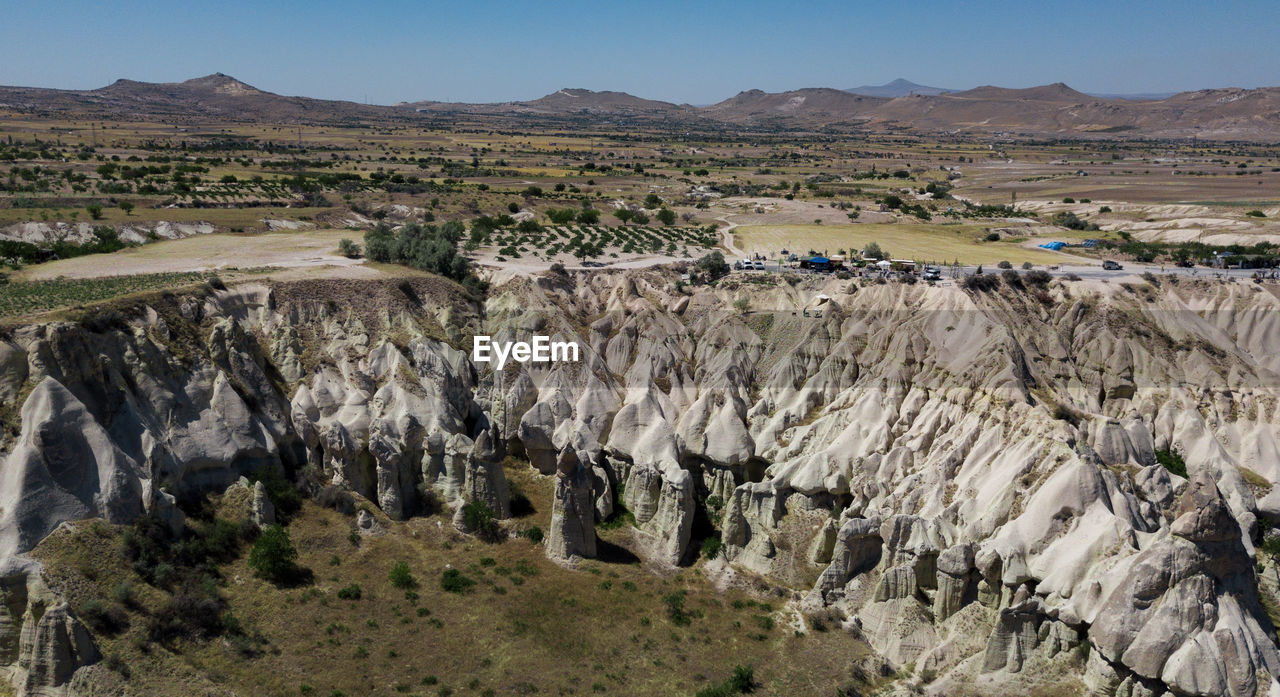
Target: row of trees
[[427, 247]]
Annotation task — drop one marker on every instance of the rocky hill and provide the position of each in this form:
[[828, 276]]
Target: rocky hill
[[1046, 110], [897, 88], [215, 96], [1061, 487]]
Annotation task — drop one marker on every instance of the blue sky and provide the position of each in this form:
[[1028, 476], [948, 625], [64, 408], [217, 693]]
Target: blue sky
[[698, 52]]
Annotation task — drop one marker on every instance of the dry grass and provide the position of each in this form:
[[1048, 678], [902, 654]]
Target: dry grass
[[920, 241], [307, 249], [528, 626]]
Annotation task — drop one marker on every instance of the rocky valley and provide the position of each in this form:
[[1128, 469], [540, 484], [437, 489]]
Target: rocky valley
[[1056, 488]]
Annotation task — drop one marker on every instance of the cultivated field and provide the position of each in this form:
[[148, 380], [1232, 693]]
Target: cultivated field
[[943, 244]]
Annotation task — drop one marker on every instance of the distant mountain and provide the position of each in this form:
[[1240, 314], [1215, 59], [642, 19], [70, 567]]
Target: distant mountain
[[212, 96], [897, 88], [1136, 97], [587, 101], [1056, 109], [813, 106]]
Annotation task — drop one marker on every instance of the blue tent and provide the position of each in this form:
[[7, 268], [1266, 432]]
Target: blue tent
[[819, 260], [1055, 246]]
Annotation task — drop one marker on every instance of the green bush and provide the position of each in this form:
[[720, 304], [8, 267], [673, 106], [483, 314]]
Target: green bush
[[273, 555], [743, 681], [400, 576], [104, 618], [348, 249], [481, 519], [711, 547], [351, 592], [452, 581], [1172, 461]]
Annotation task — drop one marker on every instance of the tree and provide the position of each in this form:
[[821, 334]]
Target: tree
[[400, 576], [666, 216], [713, 265], [624, 214], [589, 216], [127, 207], [873, 251], [273, 555], [95, 211], [561, 216], [652, 201], [639, 218]]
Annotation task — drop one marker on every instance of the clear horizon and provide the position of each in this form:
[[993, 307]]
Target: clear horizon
[[403, 51]]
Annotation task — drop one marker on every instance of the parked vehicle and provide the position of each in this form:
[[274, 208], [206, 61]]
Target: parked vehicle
[[737, 265], [757, 265], [1109, 265], [931, 274]]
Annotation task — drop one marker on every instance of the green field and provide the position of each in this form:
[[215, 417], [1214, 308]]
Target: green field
[[920, 241]]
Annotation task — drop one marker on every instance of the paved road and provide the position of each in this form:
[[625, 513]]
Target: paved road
[[1089, 271]]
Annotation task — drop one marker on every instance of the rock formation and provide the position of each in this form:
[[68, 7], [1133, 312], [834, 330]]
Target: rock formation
[[573, 528], [974, 479], [42, 643]]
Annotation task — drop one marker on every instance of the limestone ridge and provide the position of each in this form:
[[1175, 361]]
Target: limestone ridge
[[971, 478]]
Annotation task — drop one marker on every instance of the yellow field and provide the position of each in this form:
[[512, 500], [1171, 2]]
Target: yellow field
[[312, 250], [919, 241]]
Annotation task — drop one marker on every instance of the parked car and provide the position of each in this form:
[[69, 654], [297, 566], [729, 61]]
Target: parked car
[[1109, 265], [757, 265], [931, 274]]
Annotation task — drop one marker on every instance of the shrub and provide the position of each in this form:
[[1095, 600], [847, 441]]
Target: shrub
[[981, 282], [284, 496], [104, 618], [532, 534], [1004, 265], [273, 555], [337, 499], [194, 612], [711, 547], [743, 681], [348, 249], [123, 593], [481, 520], [452, 581], [1172, 460], [1037, 278], [676, 611], [400, 576], [1063, 412], [992, 237], [351, 592], [1011, 278]]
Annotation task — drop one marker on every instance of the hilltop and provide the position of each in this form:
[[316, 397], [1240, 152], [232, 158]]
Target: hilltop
[[1055, 109]]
